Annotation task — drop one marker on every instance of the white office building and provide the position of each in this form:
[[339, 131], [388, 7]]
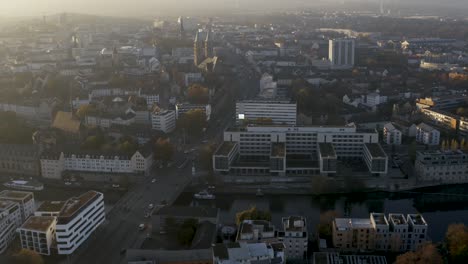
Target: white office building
[[77, 220], [53, 164], [10, 219], [24, 199], [341, 53], [164, 121], [427, 135], [280, 112], [294, 237], [288, 151], [268, 87], [391, 135], [447, 167], [248, 253], [38, 234]]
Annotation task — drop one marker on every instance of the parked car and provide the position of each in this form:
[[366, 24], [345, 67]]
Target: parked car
[[141, 227]]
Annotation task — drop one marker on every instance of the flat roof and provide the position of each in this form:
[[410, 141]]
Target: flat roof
[[397, 219], [38, 223], [17, 195], [327, 150], [351, 223], [5, 204], [379, 218], [51, 206], [225, 148], [294, 223], [375, 150], [74, 204], [417, 219]]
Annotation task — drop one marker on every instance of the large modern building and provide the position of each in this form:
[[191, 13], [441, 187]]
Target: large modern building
[[342, 53], [164, 121], [79, 217], [38, 234], [442, 166], [427, 135], [10, 219], [287, 151], [396, 233], [25, 201], [391, 135], [248, 253], [442, 102], [294, 237], [280, 112], [53, 164]]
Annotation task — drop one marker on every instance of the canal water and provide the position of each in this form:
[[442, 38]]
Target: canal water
[[440, 206]]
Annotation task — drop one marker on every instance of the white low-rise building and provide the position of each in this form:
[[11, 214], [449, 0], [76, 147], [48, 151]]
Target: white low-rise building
[[10, 219], [446, 167], [78, 220], [248, 253], [280, 112], [164, 121], [53, 164], [24, 199], [427, 135], [38, 234], [391, 135]]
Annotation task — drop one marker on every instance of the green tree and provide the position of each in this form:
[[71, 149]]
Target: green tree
[[94, 142], [457, 243], [85, 110], [252, 214], [193, 122], [427, 254], [198, 94], [163, 149]]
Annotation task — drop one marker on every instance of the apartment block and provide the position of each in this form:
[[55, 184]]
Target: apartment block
[[181, 109], [442, 166], [248, 253], [395, 233], [38, 234], [79, 217], [256, 231], [164, 121], [25, 201], [284, 150], [342, 53], [337, 258], [280, 112], [427, 135], [19, 160], [391, 135], [295, 237], [10, 219], [442, 102]]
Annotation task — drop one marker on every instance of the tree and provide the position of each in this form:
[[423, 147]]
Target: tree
[[25, 256], [252, 214], [93, 142], [193, 121], [198, 94], [85, 110], [453, 145], [163, 149], [426, 254], [457, 243]]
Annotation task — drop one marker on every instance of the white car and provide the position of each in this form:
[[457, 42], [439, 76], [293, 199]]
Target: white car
[[68, 183], [141, 227], [151, 206], [153, 180], [115, 185]]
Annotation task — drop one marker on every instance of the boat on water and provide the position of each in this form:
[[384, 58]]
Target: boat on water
[[204, 195], [24, 185], [259, 193]]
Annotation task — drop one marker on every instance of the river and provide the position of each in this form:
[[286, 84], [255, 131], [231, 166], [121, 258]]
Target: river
[[440, 206]]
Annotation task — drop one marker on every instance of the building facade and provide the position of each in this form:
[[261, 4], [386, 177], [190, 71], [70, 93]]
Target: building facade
[[446, 167], [19, 160], [24, 199], [294, 237], [427, 135], [38, 234], [396, 233], [279, 112], [10, 219], [342, 53], [164, 121], [391, 135], [184, 108], [248, 253], [78, 219]]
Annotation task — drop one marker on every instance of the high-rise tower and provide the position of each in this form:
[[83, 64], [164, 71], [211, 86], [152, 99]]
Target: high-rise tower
[[198, 54], [181, 28], [209, 44]]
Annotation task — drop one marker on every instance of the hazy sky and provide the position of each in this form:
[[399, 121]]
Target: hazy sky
[[147, 7]]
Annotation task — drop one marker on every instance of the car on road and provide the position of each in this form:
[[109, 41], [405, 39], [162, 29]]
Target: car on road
[[115, 185], [141, 227], [68, 183], [153, 180], [151, 206]]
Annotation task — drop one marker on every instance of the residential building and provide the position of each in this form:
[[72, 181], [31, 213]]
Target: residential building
[[294, 237], [190, 78], [190, 256], [39, 112], [106, 120], [164, 121], [341, 53], [284, 150], [427, 135], [337, 258], [184, 108], [441, 118], [38, 234], [248, 253], [181, 213], [10, 219], [442, 102], [19, 160], [77, 221], [396, 233], [280, 112], [446, 167], [268, 87], [24, 199], [391, 135], [54, 163], [50, 208], [373, 99], [256, 231]]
